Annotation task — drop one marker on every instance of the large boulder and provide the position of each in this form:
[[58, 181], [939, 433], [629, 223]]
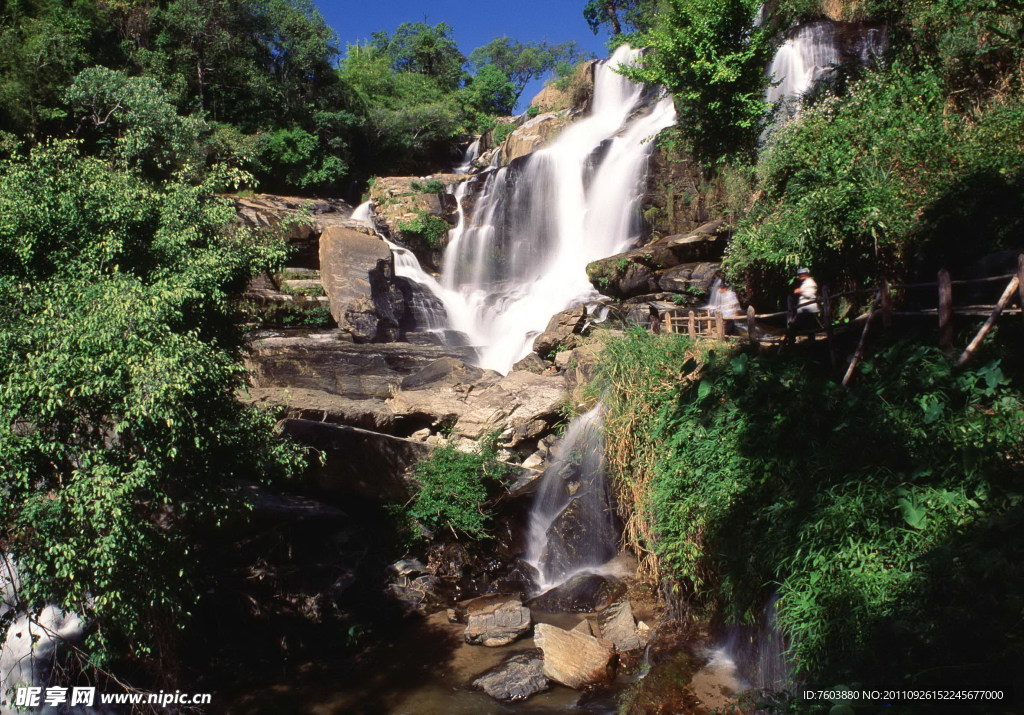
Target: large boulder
[[563, 331], [32, 648], [583, 593], [517, 678], [689, 278], [321, 406], [521, 406], [355, 462], [358, 276], [649, 268], [497, 622], [572, 658], [330, 362], [532, 135], [301, 220]]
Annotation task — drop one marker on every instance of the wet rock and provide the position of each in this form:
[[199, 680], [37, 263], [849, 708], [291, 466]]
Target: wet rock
[[357, 276], [583, 593], [496, 623], [517, 678], [618, 626], [534, 461], [574, 659], [562, 331], [399, 202], [574, 536]]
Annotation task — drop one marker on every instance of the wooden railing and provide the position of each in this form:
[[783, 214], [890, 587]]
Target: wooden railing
[[704, 323]]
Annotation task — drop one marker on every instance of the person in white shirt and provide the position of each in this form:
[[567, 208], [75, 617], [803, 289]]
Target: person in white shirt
[[807, 291], [807, 301]]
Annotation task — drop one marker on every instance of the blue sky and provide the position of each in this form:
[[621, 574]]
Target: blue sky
[[475, 23]]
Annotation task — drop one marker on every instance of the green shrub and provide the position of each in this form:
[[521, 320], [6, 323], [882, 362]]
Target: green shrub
[[453, 489], [501, 131], [431, 186], [532, 111], [880, 514], [431, 229]]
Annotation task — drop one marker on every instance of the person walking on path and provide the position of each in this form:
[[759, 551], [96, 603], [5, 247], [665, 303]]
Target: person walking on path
[[807, 299]]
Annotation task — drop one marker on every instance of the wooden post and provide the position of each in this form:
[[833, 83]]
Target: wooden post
[[863, 341], [826, 317], [946, 312], [719, 325], [1003, 300], [886, 305], [692, 325], [669, 328], [791, 320], [751, 325]]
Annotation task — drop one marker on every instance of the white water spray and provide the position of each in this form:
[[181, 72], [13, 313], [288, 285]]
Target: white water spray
[[523, 254], [572, 528]]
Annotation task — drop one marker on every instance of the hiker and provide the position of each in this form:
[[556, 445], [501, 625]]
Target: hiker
[[807, 300]]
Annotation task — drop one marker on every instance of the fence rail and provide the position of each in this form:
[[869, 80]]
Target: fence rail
[[705, 323]]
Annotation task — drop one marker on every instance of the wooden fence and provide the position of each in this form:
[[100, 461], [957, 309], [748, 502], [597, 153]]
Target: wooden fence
[[704, 323]]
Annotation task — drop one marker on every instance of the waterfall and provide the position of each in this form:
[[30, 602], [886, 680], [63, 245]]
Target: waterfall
[[522, 255], [362, 212], [813, 52], [472, 152], [759, 652], [571, 524]]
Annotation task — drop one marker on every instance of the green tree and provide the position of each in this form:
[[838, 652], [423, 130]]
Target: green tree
[[426, 49], [491, 92], [620, 15], [121, 430], [711, 57], [522, 62]]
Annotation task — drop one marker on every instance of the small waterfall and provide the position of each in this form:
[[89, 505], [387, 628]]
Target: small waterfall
[[472, 152], [362, 213], [428, 310], [813, 52], [572, 525], [759, 652], [522, 256]]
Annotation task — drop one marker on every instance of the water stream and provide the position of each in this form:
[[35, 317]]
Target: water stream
[[572, 524]]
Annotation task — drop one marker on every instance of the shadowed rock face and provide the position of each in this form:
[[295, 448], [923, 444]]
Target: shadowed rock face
[[583, 593]]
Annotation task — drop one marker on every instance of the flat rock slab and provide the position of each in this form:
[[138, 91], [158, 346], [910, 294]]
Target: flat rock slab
[[320, 406], [497, 624], [329, 362], [572, 658], [517, 678]]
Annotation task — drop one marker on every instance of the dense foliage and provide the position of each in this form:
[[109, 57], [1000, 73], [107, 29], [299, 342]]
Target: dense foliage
[[885, 516], [121, 431], [453, 487], [259, 85]]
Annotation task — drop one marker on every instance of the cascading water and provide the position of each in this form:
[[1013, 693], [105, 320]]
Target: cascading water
[[523, 254], [472, 152], [814, 51], [362, 212], [572, 526]]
